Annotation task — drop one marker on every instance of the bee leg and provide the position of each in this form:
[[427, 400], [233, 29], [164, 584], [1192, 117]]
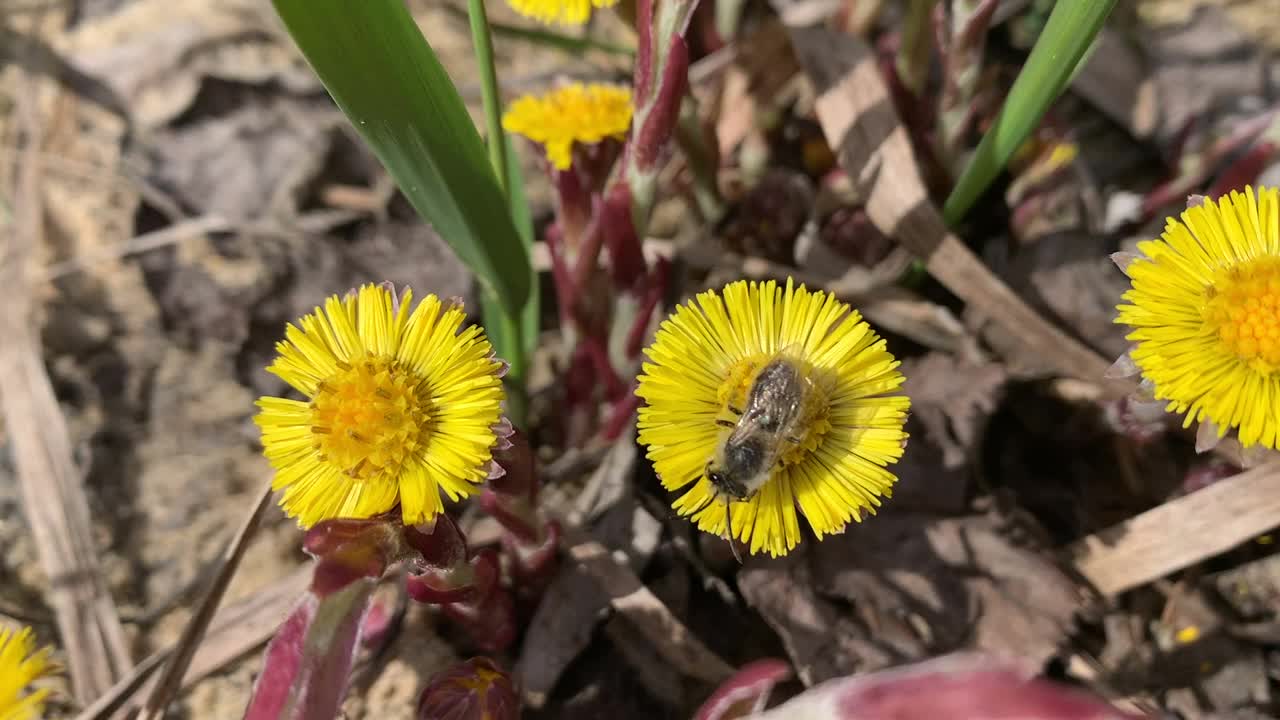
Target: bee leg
[[735, 411], [728, 526], [793, 440], [725, 423]]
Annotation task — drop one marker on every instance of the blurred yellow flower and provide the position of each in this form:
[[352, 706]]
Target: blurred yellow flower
[[1205, 311], [766, 400], [400, 406], [21, 663], [574, 113], [562, 12]]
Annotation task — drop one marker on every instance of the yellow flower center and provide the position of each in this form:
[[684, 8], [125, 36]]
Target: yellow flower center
[[807, 432], [1243, 310], [370, 416]]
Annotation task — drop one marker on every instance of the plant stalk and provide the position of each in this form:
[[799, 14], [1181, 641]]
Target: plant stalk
[[483, 43], [1066, 37]]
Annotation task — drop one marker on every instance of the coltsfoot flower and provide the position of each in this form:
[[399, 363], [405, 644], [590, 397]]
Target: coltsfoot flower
[[20, 664], [400, 407], [763, 400], [1204, 307], [574, 113], [560, 12]]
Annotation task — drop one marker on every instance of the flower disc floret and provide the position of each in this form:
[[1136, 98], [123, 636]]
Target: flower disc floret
[[701, 369], [1204, 309], [575, 113], [400, 406], [20, 664]]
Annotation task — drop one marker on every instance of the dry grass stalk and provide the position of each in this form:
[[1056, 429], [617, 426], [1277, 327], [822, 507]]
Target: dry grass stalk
[[237, 629], [167, 687], [52, 492]]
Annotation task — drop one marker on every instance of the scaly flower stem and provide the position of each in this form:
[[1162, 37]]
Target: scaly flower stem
[[465, 586], [512, 499], [701, 155]]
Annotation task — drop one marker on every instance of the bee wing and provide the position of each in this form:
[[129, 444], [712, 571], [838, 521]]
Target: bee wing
[[749, 430], [778, 393]]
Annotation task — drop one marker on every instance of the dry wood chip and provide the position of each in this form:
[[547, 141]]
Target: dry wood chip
[[1181, 532]]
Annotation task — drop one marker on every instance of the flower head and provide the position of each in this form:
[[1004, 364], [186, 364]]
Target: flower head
[[561, 12], [20, 663], [766, 400], [474, 690], [574, 113], [1205, 311], [400, 406]]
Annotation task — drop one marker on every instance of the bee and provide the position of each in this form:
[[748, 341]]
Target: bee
[[778, 411]]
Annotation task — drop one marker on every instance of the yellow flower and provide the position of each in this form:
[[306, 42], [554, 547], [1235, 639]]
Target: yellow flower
[[20, 663], [1205, 311], [400, 405], [705, 397], [573, 113], [563, 12]]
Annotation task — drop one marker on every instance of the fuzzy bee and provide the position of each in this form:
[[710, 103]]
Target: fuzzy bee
[[779, 408]]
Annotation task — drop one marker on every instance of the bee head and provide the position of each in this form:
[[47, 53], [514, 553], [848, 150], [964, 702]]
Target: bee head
[[715, 475], [724, 483]]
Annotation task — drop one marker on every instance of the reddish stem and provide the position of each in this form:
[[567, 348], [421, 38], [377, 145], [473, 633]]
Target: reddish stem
[[622, 411], [604, 369], [653, 295], [589, 253], [565, 291]]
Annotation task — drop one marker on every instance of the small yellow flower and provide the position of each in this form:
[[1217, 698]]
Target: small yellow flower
[[400, 406], [1205, 311], [573, 113], [20, 663], [1187, 635], [700, 386], [562, 12]]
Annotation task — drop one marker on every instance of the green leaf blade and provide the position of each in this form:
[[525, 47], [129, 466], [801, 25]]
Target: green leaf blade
[[384, 76], [1071, 29]]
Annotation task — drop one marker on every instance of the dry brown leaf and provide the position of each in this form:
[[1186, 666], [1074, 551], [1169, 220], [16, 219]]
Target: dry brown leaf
[[918, 585], [1203, 65], [247, 163], [570, 609], [953, 399], [1252, 589], [821, 639], [962, 581], [1116, 79], [157, 53]]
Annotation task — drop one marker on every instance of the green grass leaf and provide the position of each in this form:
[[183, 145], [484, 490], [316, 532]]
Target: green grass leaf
[[523, 218], [384, 76], [1067, 35], [572, 44]]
